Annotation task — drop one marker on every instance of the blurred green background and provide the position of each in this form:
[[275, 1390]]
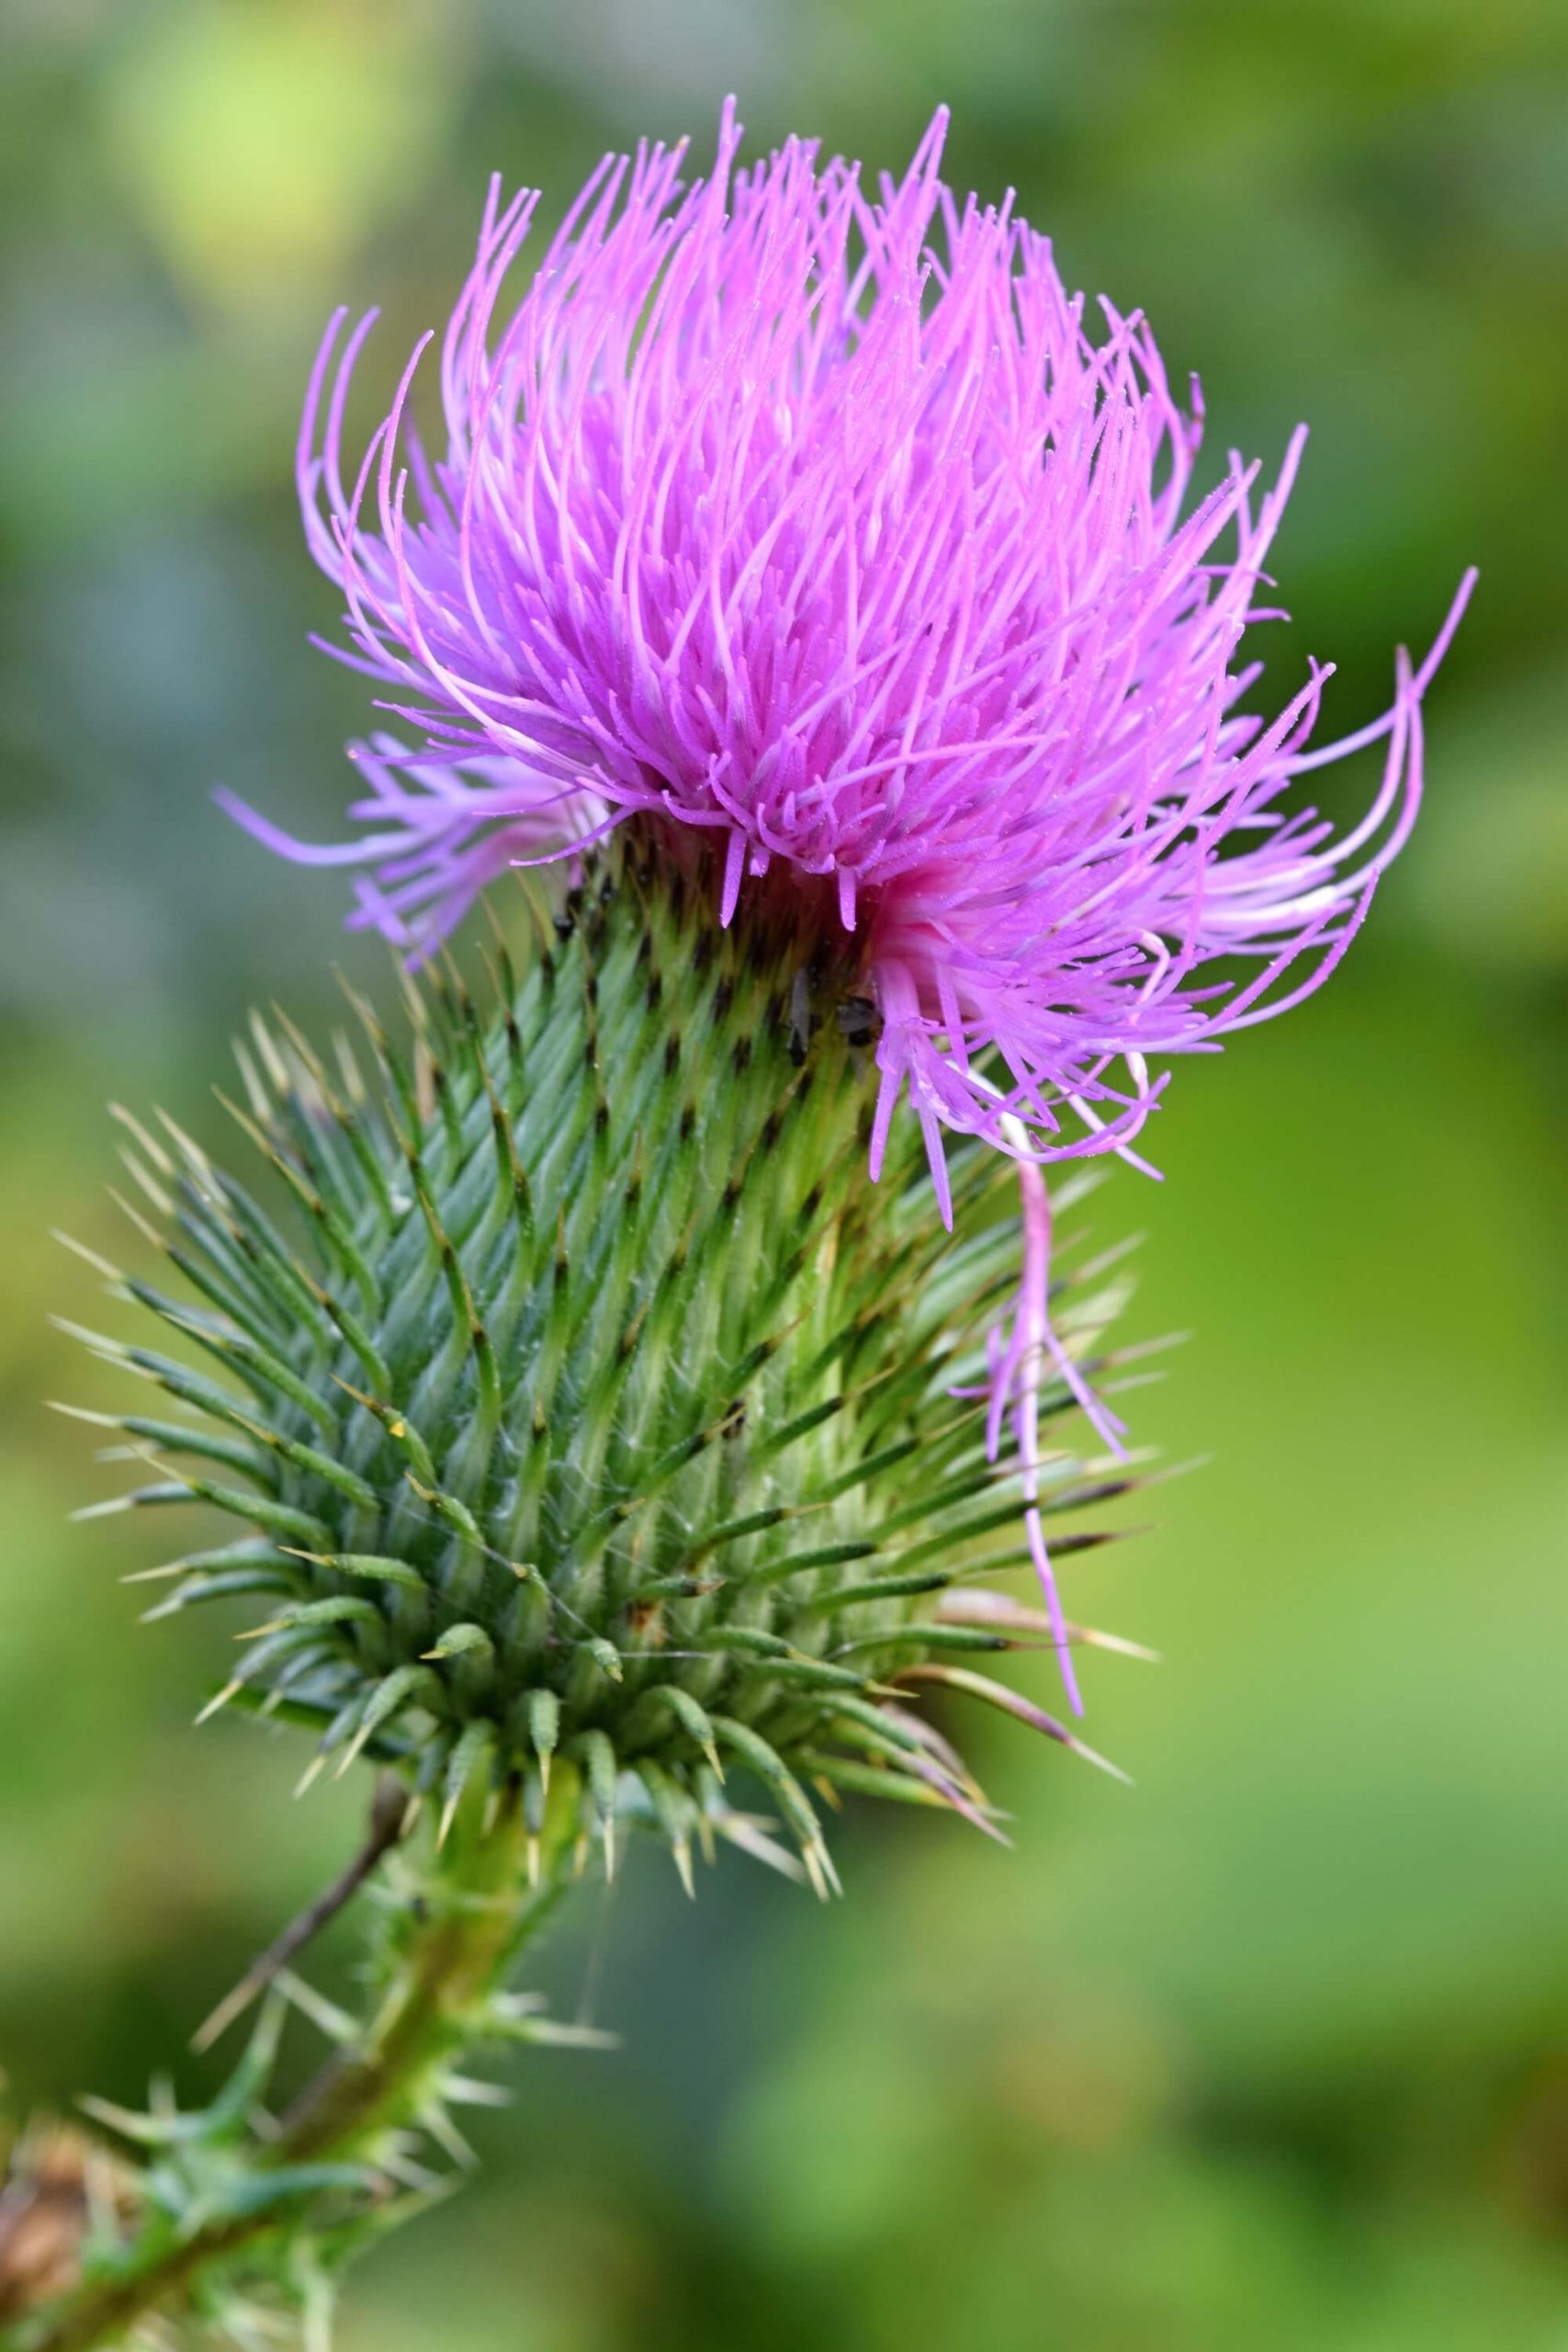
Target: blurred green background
[[1273, 2051]]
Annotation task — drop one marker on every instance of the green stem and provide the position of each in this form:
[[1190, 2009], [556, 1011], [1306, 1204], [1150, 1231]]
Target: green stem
[[461, 1944]]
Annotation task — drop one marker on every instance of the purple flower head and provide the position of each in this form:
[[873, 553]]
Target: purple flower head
[[816, 518]]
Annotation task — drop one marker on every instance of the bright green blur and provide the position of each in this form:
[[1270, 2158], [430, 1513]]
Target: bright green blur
[[1271, 2052]]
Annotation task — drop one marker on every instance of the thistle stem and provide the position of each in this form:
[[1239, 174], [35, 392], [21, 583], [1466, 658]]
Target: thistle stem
[[460, 1940]]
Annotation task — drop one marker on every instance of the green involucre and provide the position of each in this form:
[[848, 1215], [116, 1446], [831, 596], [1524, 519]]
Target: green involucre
[[587, 1399]]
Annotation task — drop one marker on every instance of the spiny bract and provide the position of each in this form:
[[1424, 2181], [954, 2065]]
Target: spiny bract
[[617, 1421]]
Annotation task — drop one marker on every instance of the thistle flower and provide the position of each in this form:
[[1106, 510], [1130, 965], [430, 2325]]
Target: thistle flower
[[816, 523], [801, 573]]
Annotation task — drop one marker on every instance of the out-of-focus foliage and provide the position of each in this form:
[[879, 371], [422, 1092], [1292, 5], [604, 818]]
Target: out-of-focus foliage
[[1273, 2051]]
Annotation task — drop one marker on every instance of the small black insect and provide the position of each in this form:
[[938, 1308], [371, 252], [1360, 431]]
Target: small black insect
[[858, 1021]]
